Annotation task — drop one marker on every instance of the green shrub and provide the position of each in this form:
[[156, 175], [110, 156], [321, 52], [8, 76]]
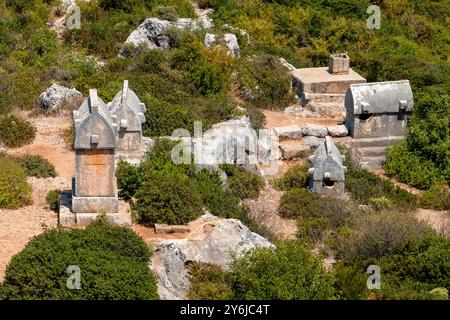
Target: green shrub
[[167, 200], [245, 185], [218, 201], [436, 198], [265, 82], [209, 282], [52, 199], [315, 213], [289, 272], [426, 261], [16, 132], [37, 166], [163, 118], [113, 264], [295, 177], [375, 234], [407, 167], [367, 188], [123, 5], [298, 203], [15, 192], [129, 179]]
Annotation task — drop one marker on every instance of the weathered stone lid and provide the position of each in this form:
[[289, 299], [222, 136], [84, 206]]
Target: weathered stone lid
[[379, 97], [327, 162], [127, 106], [94, 127]]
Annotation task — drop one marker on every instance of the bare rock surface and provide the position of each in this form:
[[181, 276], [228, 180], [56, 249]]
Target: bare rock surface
[[211, 240], [56, 97]]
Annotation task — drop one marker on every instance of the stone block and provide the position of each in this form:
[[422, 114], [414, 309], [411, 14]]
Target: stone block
[[168, 229], [338, 131], [315, 131], [95, 204], [288, 132]]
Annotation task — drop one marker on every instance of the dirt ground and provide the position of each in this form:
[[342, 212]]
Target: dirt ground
[[17, 227]]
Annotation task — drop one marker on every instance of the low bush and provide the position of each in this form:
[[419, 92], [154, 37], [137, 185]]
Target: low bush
[[374, 234], [418, 271], [37, 166], [16, 132], [295, 177], [436, 198], [245, 185], [167, 200], [209, 282], [315, 213], [216, 199], [129, 179], [265, 82], [15, 192], [289, 272], [52, 199], [367, 188], [407, 167], [113, 264]]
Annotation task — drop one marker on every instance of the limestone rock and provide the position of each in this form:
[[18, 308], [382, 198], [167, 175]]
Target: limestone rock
[[232, 44], [338, 131], [56, 97], [151, 34], [229, 39], [312, 142], [315, 131], [289, 66], [235, 30], [209, 39], [290, 132], [212, 240]]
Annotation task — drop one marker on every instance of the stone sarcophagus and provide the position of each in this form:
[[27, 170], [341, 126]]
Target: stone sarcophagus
[[94, 187], [127, 112], [327, 175], [378, 109]]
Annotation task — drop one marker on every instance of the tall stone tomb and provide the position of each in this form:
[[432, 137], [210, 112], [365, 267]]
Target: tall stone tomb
[[127, 112], [378, 109], [327, 175], [94, 187]]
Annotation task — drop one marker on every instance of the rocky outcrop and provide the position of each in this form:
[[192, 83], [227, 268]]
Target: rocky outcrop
[[211, 240], [152, 33], [229, 39], [59, 98]]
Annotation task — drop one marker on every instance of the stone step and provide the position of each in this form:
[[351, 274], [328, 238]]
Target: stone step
[[371, 152], [371, 162], [374, 142], [288, 132]]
